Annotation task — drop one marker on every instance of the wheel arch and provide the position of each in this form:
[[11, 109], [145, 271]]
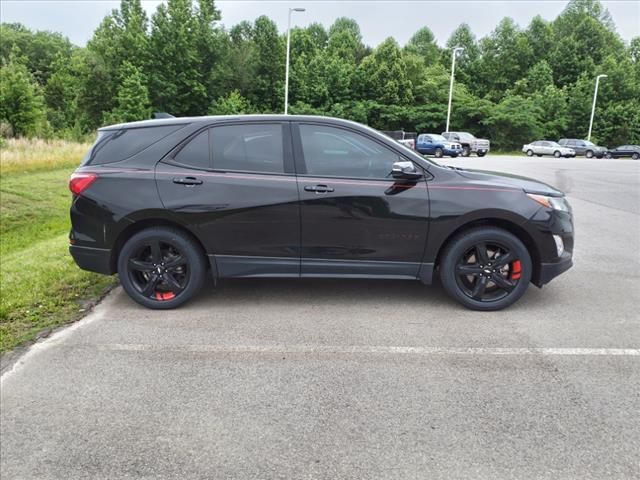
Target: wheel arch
[[135, 227], [510, 226]]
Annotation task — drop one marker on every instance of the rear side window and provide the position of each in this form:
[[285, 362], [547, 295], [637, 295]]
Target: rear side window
[[122, 144], [249, 148], [195, 154]]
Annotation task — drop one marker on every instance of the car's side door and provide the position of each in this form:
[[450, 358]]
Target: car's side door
[[234, 185], [355, 219], [425, 144]]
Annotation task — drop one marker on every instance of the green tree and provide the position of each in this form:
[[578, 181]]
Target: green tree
[[21, 101], [176, 76], [382, 76], [132, 100], [268, 57], [423, 44], [232, 104]]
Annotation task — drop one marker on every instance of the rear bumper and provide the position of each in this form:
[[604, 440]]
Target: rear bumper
[[549, 271], [93, 259]]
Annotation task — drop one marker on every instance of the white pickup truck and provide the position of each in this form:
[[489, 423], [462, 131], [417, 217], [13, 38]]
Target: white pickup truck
[[470, 144]]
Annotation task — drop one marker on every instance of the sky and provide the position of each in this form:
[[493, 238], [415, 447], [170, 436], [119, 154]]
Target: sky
[[77, 19]]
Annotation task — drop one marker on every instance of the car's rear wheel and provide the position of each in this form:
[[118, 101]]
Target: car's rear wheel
[[529, 153], [635, 156], [589, 154], [607, 155], [486, 268], [161, 268], [466, 151], [439, 152], [556, 154]]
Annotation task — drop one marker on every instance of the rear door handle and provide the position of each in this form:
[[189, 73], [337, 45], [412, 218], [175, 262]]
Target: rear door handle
[[187, 181], [318, 188]]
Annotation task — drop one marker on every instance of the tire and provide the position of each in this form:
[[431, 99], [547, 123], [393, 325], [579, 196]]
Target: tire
[[454, 155], [466, 151], [529, 153], [538, 155], [635, 156], [481, 154], [439, 153], [589, 154], [462, 253], [556, 154], [607, 155], [161, 268]]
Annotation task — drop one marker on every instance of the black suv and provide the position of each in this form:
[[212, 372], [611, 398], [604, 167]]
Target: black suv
[[163, 203], [583, 147]]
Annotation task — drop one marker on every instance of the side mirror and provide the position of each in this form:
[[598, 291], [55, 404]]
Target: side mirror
[[405, 170]]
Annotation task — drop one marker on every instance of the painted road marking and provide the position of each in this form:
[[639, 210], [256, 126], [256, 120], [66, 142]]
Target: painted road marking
[[393, 350]]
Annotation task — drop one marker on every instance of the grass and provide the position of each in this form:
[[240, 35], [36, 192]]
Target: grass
[[19, 155], [40, 285]]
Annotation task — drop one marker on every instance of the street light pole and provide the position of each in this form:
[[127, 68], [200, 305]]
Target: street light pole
[[593, 108], [453, 68], [286, 75]]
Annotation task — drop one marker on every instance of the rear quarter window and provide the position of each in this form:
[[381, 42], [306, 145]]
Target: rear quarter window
[[118, 145]]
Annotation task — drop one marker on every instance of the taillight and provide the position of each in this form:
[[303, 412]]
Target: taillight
[[79, 182]]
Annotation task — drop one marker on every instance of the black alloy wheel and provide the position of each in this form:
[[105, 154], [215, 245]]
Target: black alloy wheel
[[486, 269], [439, 152], [161, 268]]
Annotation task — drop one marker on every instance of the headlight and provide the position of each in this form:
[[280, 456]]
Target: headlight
[[555, 203]]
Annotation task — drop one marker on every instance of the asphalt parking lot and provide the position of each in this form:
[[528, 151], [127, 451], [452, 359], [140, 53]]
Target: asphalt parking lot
[[357, 379]]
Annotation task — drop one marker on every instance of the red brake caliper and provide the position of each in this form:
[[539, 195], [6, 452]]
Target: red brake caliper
[[516, 270], [164, 296]]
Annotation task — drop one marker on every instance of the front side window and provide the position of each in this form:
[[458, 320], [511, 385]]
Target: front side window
[[336, 152], [250, 148]]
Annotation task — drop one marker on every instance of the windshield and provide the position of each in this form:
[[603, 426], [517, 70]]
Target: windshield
[[554, 144], [466, 136], [438, 138], [588, 143]]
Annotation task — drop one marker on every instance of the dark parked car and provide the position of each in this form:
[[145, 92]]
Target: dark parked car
[[583, 147], [164, 203], [433, 144], [632, 151]]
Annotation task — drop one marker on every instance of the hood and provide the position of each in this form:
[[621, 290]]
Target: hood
[[507, 180]]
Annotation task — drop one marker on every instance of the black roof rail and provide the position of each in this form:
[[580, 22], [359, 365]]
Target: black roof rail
[[159, 115]]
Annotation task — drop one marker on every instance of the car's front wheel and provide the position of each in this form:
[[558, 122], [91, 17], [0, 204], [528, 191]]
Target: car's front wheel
[[556, 154], [635, 156], [589, 154], [481, 154], [161, 267], [486, 268], [529, 153]]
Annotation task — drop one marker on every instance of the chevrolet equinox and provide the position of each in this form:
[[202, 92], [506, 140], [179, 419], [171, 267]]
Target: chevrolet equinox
[[164, 203]]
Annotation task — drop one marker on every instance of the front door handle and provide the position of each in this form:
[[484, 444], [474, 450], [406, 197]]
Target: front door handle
[[187, 181], [318, 188]]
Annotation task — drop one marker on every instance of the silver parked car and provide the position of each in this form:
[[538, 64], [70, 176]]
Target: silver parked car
[[546, 147]]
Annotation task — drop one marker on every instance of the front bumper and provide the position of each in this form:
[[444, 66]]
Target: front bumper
[[93, 259], [549, 271], [452, 152]]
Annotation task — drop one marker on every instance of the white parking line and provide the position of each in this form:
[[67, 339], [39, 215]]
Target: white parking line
[[338, 349]]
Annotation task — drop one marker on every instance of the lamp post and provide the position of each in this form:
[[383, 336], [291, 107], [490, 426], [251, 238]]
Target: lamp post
[[286, 75], [593, 108], [453, 68]]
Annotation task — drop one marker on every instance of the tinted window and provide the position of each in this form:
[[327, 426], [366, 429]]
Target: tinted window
[[195, 153], [253, 148], [335, 152], [122, 144]]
